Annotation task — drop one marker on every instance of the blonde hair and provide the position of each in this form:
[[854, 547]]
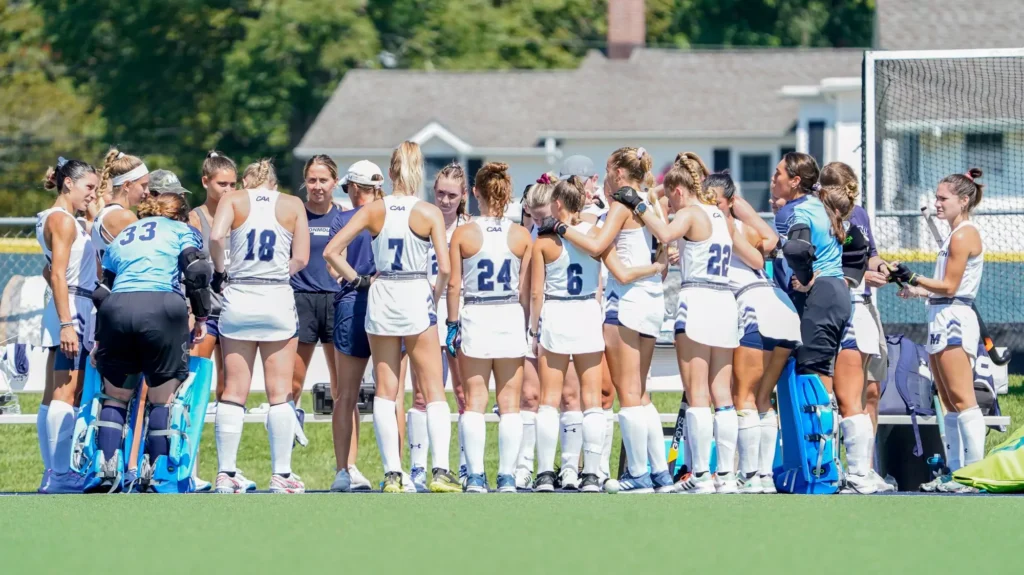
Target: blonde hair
[[259, 174], [167, 205], [838, 193], [540, 192], [571, 193], [454, 172], [115, 164], [494, 186], [636, 162], [406, 169]]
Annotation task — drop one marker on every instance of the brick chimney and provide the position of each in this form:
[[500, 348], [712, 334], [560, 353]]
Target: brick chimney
[[627, 28]]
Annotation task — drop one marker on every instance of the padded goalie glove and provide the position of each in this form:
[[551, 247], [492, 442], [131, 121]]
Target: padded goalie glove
[[855, 256], [550, 225], [799, 253], [628, 197]]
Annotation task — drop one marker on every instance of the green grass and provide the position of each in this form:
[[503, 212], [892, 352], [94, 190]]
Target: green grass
[[324, 533], [21, 469]]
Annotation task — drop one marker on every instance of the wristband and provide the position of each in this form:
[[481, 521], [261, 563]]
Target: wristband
[[201, 320], [65, 324]]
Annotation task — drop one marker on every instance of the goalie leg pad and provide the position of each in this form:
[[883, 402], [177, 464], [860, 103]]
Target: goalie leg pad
[[809, 425], [172, 472], [87, 457]]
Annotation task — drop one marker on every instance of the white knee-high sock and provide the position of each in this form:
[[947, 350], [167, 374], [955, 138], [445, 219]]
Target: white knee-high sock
[[462, 445], [281, 424], [385, 427], [418, 436], [655, 440], [700, 428], [529, 444], [510, 439], [953, 446], [228, 432], [633, 426], [769, 437], [971, 424], [60, 426], [726, 430], [748, 439], [474, 436], [606, 448], [856, 438], [439, 434], [44, 442], [546, 429], [572, 439], [593, 439]]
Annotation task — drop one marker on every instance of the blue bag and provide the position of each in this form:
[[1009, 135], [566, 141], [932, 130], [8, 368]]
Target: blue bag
[[809, 425], [907, 388]]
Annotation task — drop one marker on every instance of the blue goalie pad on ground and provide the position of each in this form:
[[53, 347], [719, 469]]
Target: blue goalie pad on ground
[[86, 456], [809, 425], [173, 473]]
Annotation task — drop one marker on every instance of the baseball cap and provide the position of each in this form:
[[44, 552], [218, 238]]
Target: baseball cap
[[580, 166], [365, 173], [165, 182]]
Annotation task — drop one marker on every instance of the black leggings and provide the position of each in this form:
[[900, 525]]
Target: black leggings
[[824, 312]]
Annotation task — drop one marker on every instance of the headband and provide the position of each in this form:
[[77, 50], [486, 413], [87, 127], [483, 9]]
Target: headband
[[640, 153], [131, 176], [969, 176]]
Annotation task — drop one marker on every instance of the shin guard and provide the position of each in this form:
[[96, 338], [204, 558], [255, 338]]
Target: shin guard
[[86, 456]]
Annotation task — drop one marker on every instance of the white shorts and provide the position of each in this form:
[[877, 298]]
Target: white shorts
[[708, 314], [258, 312], [861, 331], [572, 326], [638, 306], [768, 311], [953, 325], [493, 330], [82, 313], [399, 306]]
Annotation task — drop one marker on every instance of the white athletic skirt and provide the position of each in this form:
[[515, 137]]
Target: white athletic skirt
[[399, 306], [493, 330], [638, 306], [769, 311], [708, 314], [953, 325], [861, 331], [258, 312], [82, 313], [572, 326]]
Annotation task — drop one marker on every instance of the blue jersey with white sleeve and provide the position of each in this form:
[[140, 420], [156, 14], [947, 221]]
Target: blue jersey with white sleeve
[[828, 254], [144, 256]]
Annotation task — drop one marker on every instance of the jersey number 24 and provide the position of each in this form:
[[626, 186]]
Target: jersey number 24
[[486, 267]]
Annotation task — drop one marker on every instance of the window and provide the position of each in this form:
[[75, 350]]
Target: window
[[431, 166], [984, 151], [816, 140], [473, 166], [720, 159], [756, 175], [785, 150]]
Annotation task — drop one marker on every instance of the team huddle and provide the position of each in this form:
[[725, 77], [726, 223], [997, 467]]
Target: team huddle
[[562, 312]]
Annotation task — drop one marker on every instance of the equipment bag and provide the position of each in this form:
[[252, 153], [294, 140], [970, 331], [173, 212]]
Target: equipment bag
[[907, 388], [809, 426], [985, 386], [1002, 471]]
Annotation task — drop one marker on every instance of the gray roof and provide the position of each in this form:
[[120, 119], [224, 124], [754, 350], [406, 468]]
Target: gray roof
[[949, 24], [730, 92]]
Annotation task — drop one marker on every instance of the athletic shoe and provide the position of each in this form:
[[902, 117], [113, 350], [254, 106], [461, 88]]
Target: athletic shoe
[[463, 474], [342, 482], [953, 486], [203, 486], [590, 483], [933, 485], [749, 483], [419, 479], [407, 485], [45, 481], [233, 484], [858, 484], [475, 483], [569, 479], [726, 483], [392, 482], [768, 484], [442, 481], [524, 478], [291, 484], [359, 481], [881, 485], [697, 484], [641, 484], [545, 482], [663, 482], [506, 483], [62, 483]]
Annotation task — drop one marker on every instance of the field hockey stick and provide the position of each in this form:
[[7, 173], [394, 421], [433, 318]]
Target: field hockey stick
[[132, 473], [990, 346], [677, 437]]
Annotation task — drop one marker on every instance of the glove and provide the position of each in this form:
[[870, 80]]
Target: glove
[[361, 282], [628, 197], [900, 273], [452, 341], [217, 283], [550, 225]]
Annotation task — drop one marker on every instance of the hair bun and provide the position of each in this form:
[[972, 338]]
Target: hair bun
[[213, 154], [974, 173]]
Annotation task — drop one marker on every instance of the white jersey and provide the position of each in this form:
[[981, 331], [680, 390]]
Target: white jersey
[[432, 270], [397, 250], [740, 274], [971, 280], [98, 239], [574, 274], [81, 272], [261, 247], [492, 274], [634, 249], [708, 261]]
